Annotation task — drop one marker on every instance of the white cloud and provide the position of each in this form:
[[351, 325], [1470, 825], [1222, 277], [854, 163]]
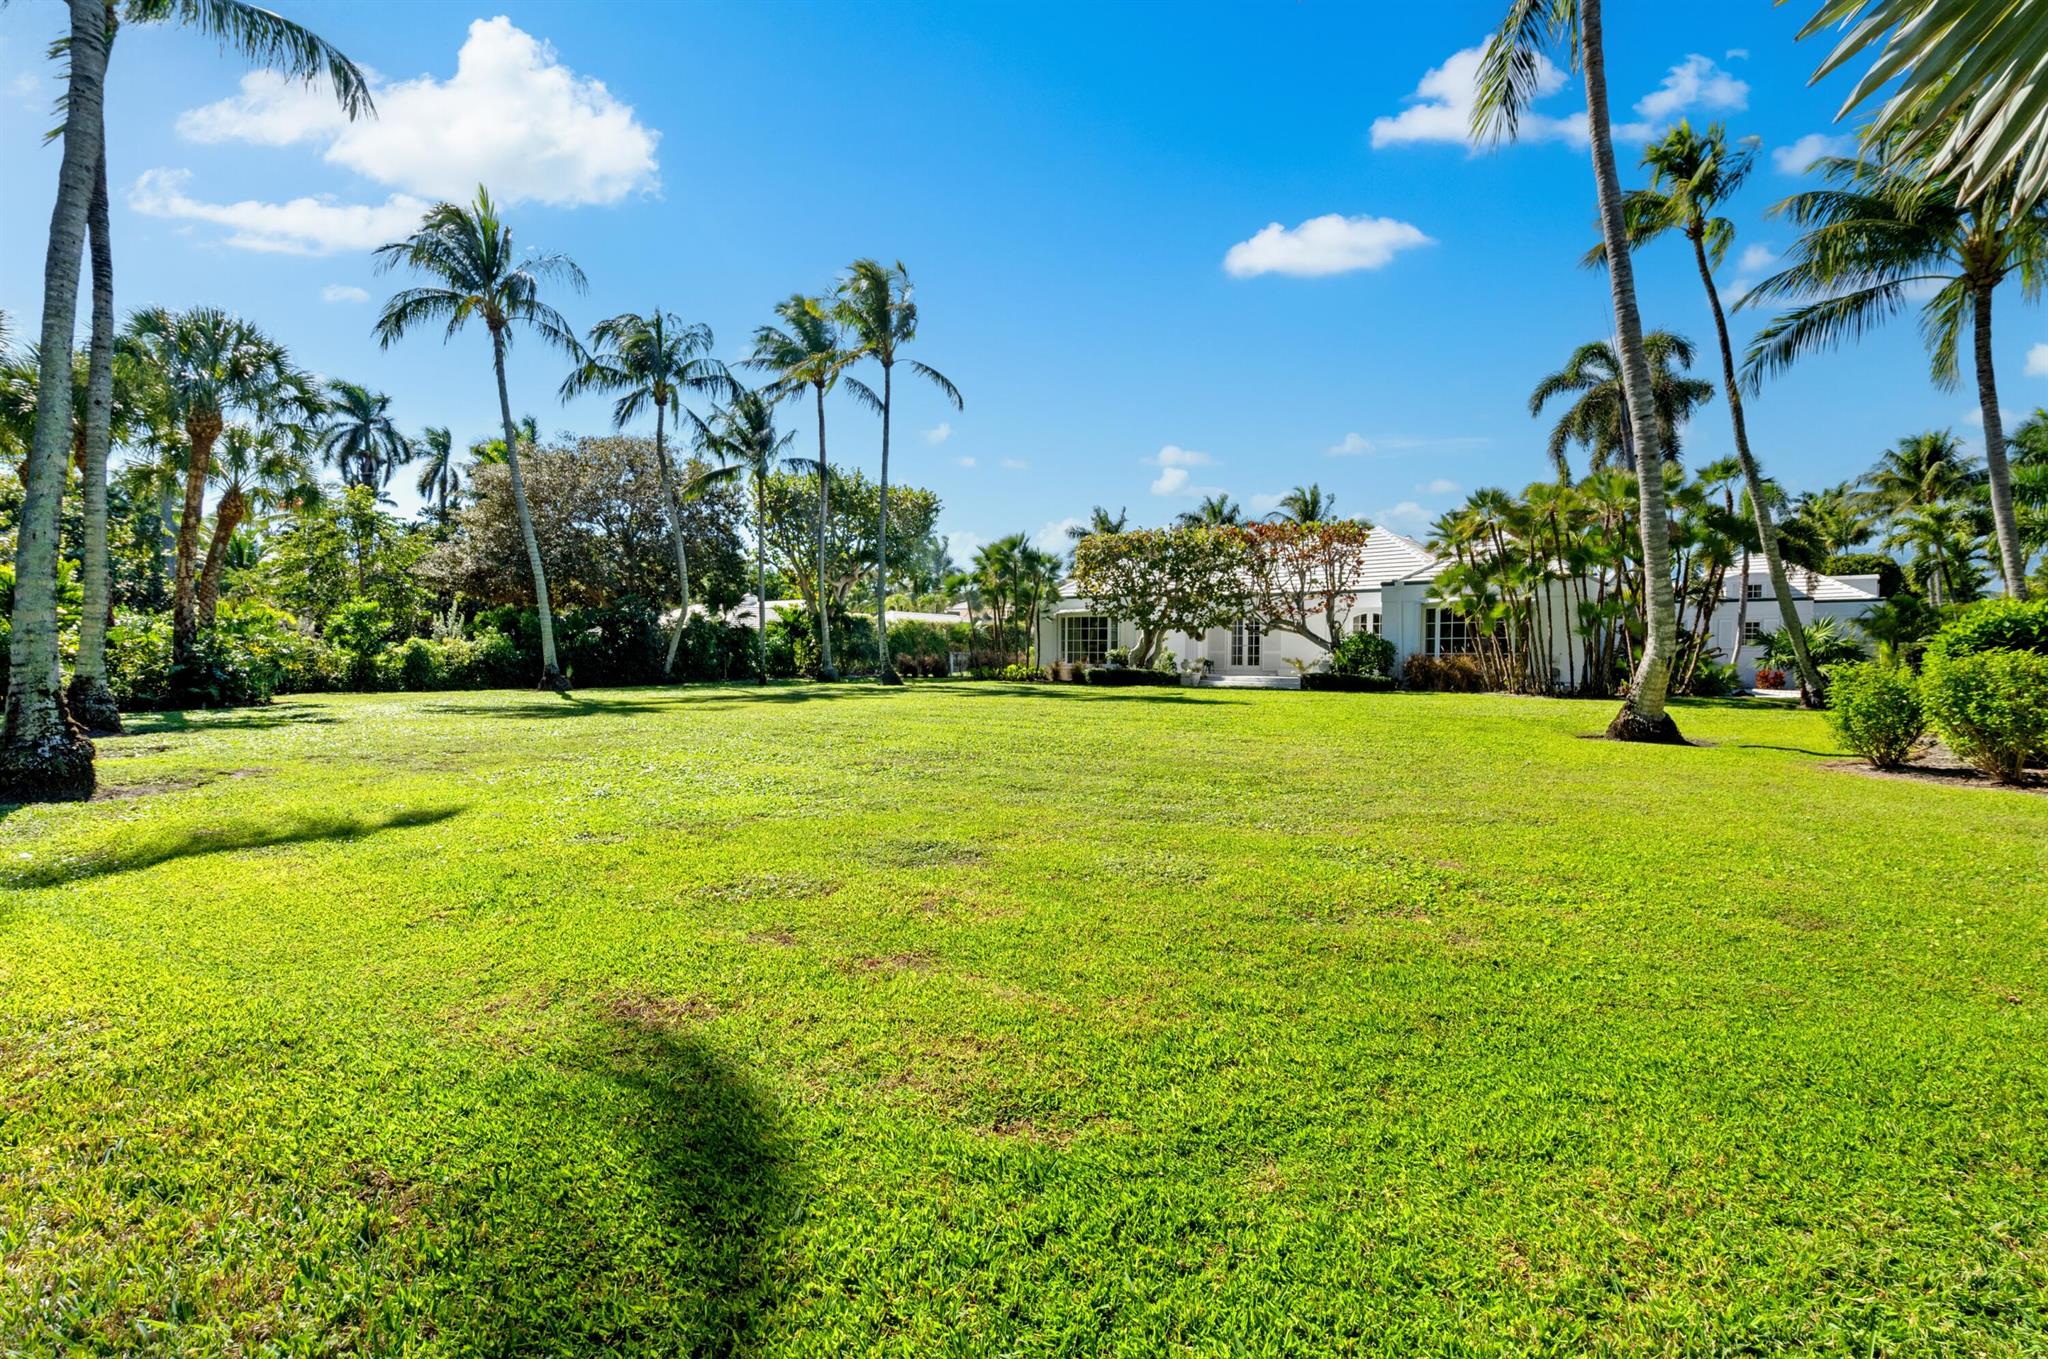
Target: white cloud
[[1053, 536], [1439, 486], [1171, 481], [1357, 445], [302, 226], [1331, 244], [938, 433], [1921, 289], [2037, 361], [1694, 82], [1756, 259], [1736, 54], [1016, 464], [1350, 446], [512, 116], [962, 546], [2008, 418], [965, 461], [344, 292], [1174, 456], [1441, 107], [1798, 157], [1406, 517], [1265, 501], [25, 87]]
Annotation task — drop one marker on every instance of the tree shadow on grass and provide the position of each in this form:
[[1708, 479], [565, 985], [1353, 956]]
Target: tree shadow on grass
[[671, 1254], [1135, 693], [142, 849], [220, 719]]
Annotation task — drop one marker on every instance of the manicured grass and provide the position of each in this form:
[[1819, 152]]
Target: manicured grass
[[983, 1019]]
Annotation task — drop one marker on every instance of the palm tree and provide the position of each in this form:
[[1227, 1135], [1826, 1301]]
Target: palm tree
[[1943, 540], [1215, 511], [1599, 420], [1038, 576], [1691, 176], [1309, 504], [1963, 86], [1918, 472], [43, 756], [1868, 242], [1509, 76], [1100, 520], [468, 250], [810, 353], [360, 438], [652, 360], [257, 466], [876, 307], [741, 439], [1827, 522], [440, 477], [204, 364]]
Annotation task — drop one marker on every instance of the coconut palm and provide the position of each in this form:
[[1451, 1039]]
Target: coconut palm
[[256, 466], [1215, 511], [440, 477], [809, 353], [1599, 420], [1919, 471], [1038, 577], [1309, 504], [1100, 520], [652, 360], [1961, 85], [1691, 175], [1943, 540], [1869, 241], [1510, 75], [203, 365], [1832, 520], [360, 438], [741, 441], [467, 249], [876, 306]]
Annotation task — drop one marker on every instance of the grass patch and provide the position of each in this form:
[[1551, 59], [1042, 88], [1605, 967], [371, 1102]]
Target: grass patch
[[1010, 1020]]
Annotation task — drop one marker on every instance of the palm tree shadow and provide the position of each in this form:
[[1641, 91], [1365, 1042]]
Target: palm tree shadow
[[146, 851]]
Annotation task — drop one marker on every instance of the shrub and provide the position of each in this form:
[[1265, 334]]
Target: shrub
[[1117, 656], [1713, 679], [1446, 674], [1363, 653], [139, 661], [1991, 707], [1115, 676], [1994, 625], [357, 631], [1346, 684], [1827, 642], [1022, 672], [1769, 677], [412, 665], [1875, 711]]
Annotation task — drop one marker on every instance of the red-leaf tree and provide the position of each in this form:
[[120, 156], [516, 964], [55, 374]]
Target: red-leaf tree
[[1305, 578], [1165, 580]]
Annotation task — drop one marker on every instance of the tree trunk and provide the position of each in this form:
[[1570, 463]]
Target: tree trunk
[[761, 575], [1642, 716], [1741, 612], [826, 670], [1812, 686], [887, 663], [550, 672], [44, 756], [673, 499], [202, 427], [227, 517], [92, 702], [2005, 528]]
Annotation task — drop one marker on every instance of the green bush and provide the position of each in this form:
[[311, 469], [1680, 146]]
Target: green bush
[[1994, 625], [1117, 676], [1363, 653], [1445, 674], [413, 665], [1022, 672], [1875, 710], [1991, 707], [1827, 642], [139, 661], [357, 631]]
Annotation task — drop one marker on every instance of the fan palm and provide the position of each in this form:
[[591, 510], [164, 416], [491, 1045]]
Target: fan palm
[[1868, 242], [1511, 73], [440, 477], [876, 306], [741, 441], [467, 249], [1599, 420], [256, 466], [808, 351], [360, 438], [652, 360], [202, 365], [1309, 504], [1691, 175]]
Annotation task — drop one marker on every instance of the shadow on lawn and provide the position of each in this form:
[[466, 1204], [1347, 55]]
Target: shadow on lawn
[[145, 850], [220, 719], [671, 1251]]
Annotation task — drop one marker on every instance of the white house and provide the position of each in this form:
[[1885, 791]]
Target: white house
[[1395, 597]]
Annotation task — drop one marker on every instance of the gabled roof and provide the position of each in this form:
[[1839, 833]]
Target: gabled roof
[[1818, 587]]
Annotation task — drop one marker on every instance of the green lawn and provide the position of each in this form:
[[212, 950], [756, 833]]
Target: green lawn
[[985, 1019]]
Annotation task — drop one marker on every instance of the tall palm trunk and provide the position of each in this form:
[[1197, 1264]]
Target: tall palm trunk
[[92, 702], [550, 672], [826, 670], [761, 576], [1642, 716], [202, 428], [887, 663], [43, 755], [2011, 561], [227, 517], [674, 502], [1812, 687]]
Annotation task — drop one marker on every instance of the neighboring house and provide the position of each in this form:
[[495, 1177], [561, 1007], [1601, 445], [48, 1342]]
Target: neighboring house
[[1394, 590], [747, 613]]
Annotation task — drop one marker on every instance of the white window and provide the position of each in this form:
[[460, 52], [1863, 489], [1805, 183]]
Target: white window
[[1084, 638], [1752, 632], [1449, 633], [1753, 590], [1244, 643], [1371, 623]]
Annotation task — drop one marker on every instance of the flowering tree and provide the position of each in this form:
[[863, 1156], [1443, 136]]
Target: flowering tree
[[1304, 578], [1166, 580]]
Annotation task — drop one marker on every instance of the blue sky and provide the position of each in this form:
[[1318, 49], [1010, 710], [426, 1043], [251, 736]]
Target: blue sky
[[1162, 249]]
